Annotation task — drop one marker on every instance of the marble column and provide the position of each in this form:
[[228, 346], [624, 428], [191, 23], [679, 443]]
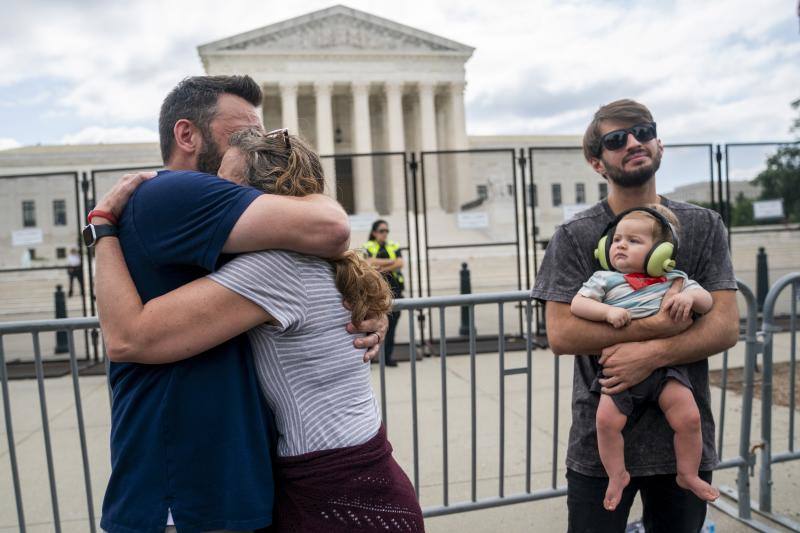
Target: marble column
[[396, 143], [460, 181], [362, 144], [325, 142], [289, 107], [427, 135]]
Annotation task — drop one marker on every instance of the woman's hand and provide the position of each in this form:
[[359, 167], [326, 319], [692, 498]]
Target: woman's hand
[[375, 329], [114, 200]]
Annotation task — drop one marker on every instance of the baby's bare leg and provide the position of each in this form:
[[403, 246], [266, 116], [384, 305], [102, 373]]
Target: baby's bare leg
[[611, 445], [678, 405]]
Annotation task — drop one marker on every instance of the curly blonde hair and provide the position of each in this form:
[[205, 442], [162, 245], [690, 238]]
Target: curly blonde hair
[[284, 164]]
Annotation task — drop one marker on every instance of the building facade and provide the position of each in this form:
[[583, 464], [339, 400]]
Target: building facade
[[353, 83]]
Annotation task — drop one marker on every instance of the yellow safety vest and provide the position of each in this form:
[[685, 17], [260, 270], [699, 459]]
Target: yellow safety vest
[[373, 247]]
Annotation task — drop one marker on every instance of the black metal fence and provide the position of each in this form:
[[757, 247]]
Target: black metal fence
[[493, 209]]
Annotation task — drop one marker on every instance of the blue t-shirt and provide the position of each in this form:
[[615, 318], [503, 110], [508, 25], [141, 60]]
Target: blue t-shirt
[[193, 436]]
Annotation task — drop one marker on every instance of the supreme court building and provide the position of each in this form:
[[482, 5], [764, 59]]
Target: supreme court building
[[353, 83]]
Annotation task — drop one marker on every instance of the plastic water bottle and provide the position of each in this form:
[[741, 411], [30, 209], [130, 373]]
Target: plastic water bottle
[[709, 526], [635, 527]]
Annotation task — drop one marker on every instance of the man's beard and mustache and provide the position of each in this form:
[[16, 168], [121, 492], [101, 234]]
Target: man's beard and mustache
[[637, 177], [210, 157]]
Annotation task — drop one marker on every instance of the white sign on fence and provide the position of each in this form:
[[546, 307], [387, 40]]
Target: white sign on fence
[[570, 210], [768, 209], [475, 220], [26, 237]]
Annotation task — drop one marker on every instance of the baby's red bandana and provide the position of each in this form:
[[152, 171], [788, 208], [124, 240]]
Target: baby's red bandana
[[640, 280]]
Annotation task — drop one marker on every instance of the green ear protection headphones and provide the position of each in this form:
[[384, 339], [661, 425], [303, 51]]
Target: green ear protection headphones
[[660, 258]]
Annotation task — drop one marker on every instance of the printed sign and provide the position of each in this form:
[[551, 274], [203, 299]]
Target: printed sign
[[26, 237], [573, 209], [768, 209], [476, 220]]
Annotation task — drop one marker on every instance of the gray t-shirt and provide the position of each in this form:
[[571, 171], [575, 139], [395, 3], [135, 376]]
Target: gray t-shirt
[[314, 379], [568, 261]]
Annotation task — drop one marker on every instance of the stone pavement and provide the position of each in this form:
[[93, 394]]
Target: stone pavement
[[544, 515]]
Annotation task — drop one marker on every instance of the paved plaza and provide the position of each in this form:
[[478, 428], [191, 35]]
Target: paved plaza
[[544, 515]]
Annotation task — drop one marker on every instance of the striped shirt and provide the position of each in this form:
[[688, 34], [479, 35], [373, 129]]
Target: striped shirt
[[611, 288], [314, 379]]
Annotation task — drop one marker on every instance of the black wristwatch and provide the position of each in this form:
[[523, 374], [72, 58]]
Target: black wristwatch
[[93, 233]]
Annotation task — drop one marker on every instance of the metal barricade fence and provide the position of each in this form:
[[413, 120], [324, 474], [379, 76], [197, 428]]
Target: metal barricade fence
[[507, 364], [769, 449], [35, 328]]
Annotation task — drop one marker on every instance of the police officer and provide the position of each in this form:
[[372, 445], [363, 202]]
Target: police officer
[[384, 255]]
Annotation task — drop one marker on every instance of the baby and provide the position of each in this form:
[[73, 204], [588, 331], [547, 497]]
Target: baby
[[641, 253]]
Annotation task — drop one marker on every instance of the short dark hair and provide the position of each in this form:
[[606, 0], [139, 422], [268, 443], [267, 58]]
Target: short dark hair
[[195, 99], [625, 111]]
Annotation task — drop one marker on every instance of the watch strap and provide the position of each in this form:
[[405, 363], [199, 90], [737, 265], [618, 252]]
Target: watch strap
[[93, 233]]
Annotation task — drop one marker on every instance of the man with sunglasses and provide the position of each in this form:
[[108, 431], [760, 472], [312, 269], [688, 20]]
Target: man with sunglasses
[[621, 144], [190, 441]]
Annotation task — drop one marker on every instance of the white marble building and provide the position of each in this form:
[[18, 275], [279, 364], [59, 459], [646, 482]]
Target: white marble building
[[354, 83]]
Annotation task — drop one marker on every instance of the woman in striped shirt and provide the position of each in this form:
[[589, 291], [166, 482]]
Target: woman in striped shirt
[[334, 471]]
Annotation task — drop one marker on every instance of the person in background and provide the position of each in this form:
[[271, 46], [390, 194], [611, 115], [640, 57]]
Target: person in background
[[384, 255], [74, 269]]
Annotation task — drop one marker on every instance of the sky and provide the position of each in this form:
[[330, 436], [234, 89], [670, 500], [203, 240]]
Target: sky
[[711, 71]]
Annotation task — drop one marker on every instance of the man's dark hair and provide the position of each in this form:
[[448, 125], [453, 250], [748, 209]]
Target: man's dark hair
[[626, 112], [195, 99]]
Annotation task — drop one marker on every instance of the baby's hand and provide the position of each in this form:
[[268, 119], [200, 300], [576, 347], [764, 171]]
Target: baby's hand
[[618, 317], [679, 306]]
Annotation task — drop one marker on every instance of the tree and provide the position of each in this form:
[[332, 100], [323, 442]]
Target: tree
[[781, 179]]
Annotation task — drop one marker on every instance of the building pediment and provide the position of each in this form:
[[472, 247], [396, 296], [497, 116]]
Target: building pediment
[[338, 29]]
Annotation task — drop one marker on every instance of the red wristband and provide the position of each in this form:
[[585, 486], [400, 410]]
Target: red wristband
[[105, 214]]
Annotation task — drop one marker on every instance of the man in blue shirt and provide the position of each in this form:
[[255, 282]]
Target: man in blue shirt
[[190, 441]]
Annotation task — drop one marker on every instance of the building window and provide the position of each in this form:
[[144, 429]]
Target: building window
[[32, 253], [533, 199], [556, 192], [510, 189], [61, 253], [483, 192], [580, 193], [28, 214], [602, 189], [59, 212]]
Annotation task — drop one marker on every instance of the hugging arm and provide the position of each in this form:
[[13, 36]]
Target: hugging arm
[[313, 225], [182, 323]]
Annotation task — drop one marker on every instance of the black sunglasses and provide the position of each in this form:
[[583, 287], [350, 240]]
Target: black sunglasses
[[614, 140], [281, 131]]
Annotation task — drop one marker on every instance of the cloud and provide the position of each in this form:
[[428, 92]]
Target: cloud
[[7, 144], [713, 70], [98, 134]]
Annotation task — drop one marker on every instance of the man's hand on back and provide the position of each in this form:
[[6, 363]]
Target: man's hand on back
[[116, 198], [375, 331]]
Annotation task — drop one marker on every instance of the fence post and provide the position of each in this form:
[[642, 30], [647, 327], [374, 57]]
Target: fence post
[[466, 288], [62, 344], [762, 277], [751, 349], [769, 328]]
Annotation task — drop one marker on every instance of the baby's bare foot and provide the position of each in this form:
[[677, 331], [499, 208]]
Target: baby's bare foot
[[700, 488], [616, 484]]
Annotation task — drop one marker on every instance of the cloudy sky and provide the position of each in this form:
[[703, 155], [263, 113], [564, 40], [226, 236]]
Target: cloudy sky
[[711, 70]]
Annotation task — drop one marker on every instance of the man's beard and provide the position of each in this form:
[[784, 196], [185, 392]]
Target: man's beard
[[636, 177], [210, 157]]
